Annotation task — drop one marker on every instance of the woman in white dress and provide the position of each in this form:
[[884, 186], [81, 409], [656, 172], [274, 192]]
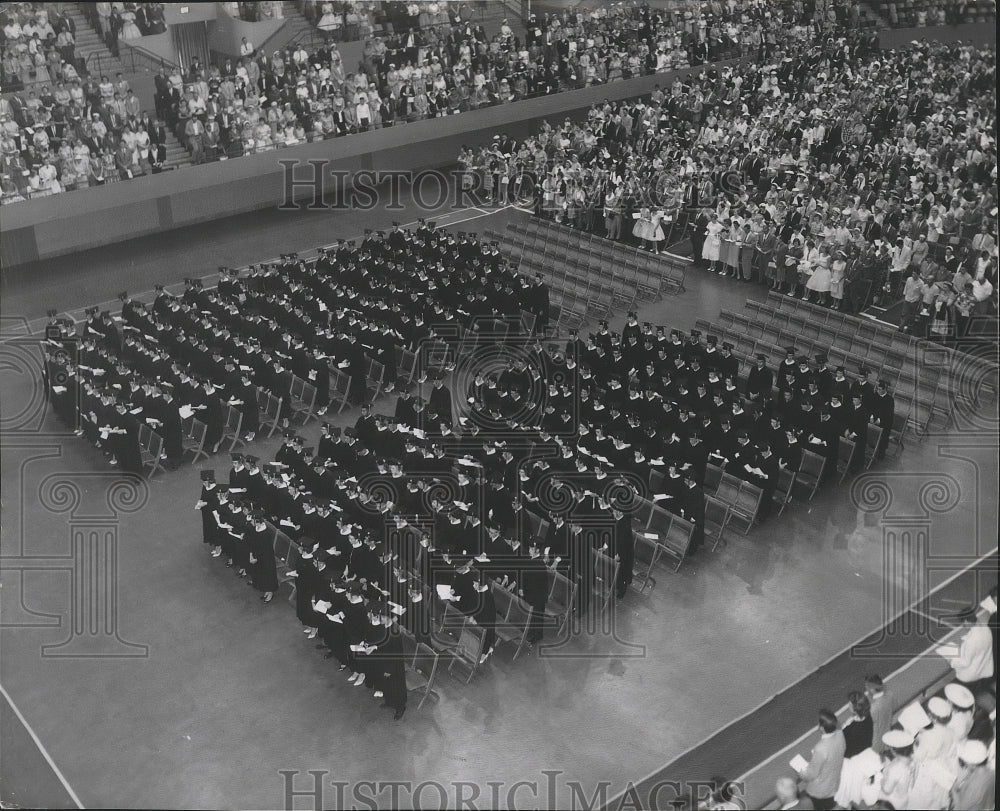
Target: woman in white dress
[[819, 281], [129, 29], [648, 229], [712, 248], [838, 270]]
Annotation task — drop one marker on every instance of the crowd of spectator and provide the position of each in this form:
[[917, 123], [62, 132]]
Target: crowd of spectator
[[38, 46], [918, 13], [74, 135], [124, 21], [826, 169]]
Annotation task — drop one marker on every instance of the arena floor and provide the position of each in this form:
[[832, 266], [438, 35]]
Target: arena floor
[[195, 694]]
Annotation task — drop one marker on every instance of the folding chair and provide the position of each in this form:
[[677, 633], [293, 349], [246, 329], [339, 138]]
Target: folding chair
[[642, 513], [233, 430], [716, 518], [605, 577], [302, 400], [469, 650], [748, 500], [340, 389], [421, 668], [810, 472], [150, 450], [845, 456], [513, 618], [783, 491], [677, 540], [375, 379], [647, 555], [728, 490], [292, 558], [193, 441], [270, 411], [874, 437], [713, 477], [406, 365], [561, 600]]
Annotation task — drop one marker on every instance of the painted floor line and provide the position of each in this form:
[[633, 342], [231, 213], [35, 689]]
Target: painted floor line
[[42, 749]]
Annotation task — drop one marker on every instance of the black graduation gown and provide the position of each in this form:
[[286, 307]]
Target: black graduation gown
[[264, 572], [307, 585], [209, 530]]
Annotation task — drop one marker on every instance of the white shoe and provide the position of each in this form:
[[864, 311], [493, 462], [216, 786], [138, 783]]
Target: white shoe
[[360, 681], [311, 633], [352, 677], [321, 411], [378, 694]]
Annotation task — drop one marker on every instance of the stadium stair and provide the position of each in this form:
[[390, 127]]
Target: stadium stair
[[91, 47]]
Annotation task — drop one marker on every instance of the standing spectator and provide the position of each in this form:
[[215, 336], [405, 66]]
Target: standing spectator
[[913, 294], [821, 776], [974, 664], [858, 738]]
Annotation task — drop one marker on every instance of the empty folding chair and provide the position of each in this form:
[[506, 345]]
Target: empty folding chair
[[783, 490], [270, 411], [677, 540], [193, 441], [233, 430], [150, 450], [468, 652], [340, 389], [513, 619], [561, 600], [716, 519], [647, 554], [302, 400], [747, 504], [605, 576], [809, 474], [421, 669], [713, 476]]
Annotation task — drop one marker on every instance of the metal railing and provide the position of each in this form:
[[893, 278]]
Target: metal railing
[[131, 58]]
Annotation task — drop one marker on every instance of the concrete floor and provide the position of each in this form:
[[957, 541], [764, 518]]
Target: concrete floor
[[227, 693]]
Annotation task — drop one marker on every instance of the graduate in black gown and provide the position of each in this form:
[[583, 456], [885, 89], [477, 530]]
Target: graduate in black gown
[[386, 665], [208, 504], [260, 540]]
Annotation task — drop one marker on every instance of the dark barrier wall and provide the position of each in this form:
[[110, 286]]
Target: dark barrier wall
[[74, 221]]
